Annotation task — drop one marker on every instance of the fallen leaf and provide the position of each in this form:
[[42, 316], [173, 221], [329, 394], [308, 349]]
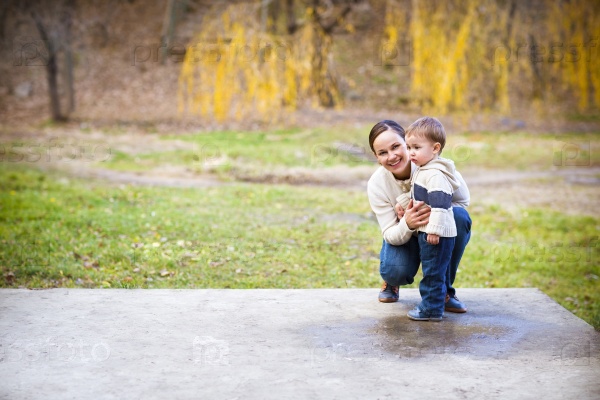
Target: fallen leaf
[[91, 264], [216, 263], [9, 277]]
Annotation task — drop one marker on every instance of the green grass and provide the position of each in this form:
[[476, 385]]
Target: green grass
[[56, 232], [584, 117], [222, 152], [556, 253], [523, 151], [319, 148], [313, 148]]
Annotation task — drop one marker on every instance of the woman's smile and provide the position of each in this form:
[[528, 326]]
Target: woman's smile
[[395, 163]]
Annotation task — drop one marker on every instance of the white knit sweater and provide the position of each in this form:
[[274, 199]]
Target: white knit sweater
[[383, 190], [434, 183]]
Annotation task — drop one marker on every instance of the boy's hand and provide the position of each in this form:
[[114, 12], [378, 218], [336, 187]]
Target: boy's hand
[[433, 239], [399, 210]]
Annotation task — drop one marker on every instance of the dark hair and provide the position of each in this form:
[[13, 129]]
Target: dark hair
[[383, 126]]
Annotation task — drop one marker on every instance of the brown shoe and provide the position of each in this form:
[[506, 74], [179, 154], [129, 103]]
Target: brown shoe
[[388, 293]]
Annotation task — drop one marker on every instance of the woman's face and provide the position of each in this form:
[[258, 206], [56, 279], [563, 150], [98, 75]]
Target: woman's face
[[390, 150]]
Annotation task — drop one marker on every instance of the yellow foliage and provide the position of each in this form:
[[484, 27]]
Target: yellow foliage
[[474, 55], [580, 65], [235, 70]]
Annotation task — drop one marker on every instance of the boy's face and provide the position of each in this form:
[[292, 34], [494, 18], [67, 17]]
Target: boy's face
[[421, 150]]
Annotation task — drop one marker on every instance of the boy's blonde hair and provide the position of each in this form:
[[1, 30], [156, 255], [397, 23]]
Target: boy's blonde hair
[[429, 128]]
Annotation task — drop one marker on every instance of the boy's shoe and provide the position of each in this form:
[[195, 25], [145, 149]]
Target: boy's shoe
[[388, 293], [453, 304], [418, 315]]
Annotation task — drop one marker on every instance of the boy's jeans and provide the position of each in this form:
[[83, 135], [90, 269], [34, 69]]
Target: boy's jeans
[[435, 261], [399, 264]]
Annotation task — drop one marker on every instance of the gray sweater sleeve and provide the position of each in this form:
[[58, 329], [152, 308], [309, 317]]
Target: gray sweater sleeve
[[461, 197]]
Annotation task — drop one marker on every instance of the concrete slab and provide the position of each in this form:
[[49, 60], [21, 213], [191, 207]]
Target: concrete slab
[[288, 344]]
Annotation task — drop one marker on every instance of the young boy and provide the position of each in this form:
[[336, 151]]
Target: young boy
[[433, 182]]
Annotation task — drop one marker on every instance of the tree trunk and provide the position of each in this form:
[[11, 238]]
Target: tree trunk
[[166, 36], [321, 76], [3, 14], [69, 56], [324, 77], [51, 69], [69, 80], [290, 16], [538, 81], [264, 14]]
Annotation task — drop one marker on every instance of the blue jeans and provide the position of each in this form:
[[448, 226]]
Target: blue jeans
[[435, 261], [399, 264]]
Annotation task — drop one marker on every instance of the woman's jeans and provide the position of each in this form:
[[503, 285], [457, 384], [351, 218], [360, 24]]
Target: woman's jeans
[[399, 264]]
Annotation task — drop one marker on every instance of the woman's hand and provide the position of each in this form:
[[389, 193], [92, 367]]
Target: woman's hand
[[416, 214]]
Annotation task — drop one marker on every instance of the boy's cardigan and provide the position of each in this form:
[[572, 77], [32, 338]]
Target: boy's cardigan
[[383, 189]]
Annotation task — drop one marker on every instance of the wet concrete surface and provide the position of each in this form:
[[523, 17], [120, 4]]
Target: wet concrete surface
[[273, 344]]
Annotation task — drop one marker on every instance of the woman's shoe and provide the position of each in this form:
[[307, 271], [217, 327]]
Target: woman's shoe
[[388, 293]]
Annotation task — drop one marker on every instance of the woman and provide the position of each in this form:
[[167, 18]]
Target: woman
[[399, 257]]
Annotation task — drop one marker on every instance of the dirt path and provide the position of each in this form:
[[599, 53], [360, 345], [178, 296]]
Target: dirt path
[[571, 190]]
